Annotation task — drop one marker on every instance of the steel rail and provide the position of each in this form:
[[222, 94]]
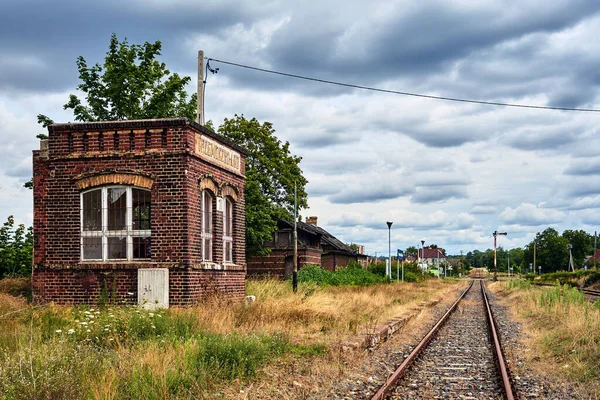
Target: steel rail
[[408, 361], [499, 356]]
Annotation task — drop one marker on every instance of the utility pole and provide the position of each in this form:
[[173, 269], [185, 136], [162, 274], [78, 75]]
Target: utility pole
[[388, 270], [295, 274], [534, 246], [496, 233], [595, 236], [200, 94]]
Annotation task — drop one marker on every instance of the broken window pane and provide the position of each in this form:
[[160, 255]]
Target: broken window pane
[[117, 207]]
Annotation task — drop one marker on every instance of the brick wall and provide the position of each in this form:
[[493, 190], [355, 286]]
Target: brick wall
[[275, 263], [334, 261], [158, 155]]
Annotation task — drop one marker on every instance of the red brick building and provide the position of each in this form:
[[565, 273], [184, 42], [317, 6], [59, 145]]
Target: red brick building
[[315, 246], [148, 211]]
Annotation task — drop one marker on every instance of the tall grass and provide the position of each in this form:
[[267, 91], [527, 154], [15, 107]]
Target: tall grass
[[565, 327], [127, 353]]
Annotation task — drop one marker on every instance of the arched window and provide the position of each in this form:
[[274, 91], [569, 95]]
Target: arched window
[[228, 231], [207, 225], [116, 224]]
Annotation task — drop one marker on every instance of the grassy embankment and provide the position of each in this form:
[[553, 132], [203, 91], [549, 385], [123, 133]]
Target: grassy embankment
[[121, 352], [563, 331]]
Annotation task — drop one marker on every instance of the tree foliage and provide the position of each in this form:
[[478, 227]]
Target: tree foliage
[[132, 85], [16, 247], [411, 251], [271, 171]]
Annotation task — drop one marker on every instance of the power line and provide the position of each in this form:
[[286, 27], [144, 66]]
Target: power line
[[427, 96]]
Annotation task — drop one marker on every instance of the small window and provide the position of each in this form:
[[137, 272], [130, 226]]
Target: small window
[[207, 225], [228, 231], [116, 224]]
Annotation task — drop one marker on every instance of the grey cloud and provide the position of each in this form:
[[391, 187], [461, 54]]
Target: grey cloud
[[327, 164], [584, 167], [57, 32], [22, 171], [584, 203], [530, 215], [368, 193], [483, 209], [438, 194], [540, 139]]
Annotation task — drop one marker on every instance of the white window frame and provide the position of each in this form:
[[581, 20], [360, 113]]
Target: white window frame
[[227, 240], [207, 226], [105, 233]]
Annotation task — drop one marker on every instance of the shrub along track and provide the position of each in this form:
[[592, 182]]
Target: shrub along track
[[459, 357]]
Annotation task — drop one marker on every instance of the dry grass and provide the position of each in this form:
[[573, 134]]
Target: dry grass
[[327, 314], [563, 334], [216, 347]]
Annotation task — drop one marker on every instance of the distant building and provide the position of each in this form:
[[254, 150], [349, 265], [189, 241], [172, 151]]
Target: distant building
[[315, 246], [431, 256]]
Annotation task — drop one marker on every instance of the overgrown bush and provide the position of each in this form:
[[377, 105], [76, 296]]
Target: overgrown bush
[[16, 287], [353, 274], [530, 277]]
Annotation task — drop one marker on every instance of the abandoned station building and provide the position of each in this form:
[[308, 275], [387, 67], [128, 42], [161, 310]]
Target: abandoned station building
[[147, 211], [316, 246]]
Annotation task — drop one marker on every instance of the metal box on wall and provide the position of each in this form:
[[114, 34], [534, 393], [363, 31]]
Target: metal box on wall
[[153, 288]]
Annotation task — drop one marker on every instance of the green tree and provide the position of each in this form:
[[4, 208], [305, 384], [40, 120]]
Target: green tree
[[132, 84], [353, 246], [583, 245], [16, 246], [517, 256], [551, 251], [271, 171], [411, 251]]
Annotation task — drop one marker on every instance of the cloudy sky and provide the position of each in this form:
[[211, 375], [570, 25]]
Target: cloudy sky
[[448, 173]]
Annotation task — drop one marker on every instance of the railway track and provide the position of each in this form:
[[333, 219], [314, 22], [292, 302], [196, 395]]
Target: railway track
[[590, 294], [459, 358]]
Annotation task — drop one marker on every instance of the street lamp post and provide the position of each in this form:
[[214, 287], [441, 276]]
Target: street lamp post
[[496, 233], [422, 257], [388, 270]]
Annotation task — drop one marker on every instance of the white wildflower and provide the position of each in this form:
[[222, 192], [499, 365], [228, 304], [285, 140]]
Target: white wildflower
[[88, 330], [83, 323], [58, 331], [70, 331]]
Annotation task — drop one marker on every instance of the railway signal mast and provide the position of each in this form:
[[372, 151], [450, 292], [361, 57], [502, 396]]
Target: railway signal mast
[[496, 233]]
